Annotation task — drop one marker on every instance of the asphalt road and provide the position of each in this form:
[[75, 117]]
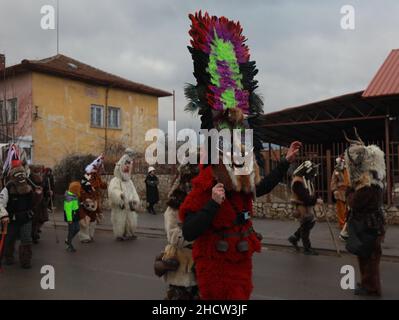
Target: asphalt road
[[107, 269]]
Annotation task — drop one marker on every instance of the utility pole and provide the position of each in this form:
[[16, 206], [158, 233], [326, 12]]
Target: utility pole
[[58, 26], [106, 119]]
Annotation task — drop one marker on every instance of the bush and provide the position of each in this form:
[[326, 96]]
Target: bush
[[71, 168]]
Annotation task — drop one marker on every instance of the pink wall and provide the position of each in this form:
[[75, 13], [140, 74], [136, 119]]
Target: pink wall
[[20, 87]]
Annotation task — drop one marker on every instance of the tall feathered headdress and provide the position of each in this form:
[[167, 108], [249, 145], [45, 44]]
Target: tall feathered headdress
[[225, 91]]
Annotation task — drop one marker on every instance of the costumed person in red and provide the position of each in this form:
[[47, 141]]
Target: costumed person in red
[[217, 212], [366, 222]]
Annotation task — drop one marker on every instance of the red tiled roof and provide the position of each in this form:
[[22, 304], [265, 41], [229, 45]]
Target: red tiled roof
[[386, 81], [64, 66]]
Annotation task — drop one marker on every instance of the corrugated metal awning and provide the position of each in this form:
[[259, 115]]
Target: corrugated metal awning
[[386, 81]]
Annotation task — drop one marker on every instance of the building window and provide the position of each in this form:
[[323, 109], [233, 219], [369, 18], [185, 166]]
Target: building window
[[28, 152], [11, 112], [114, 117], [97, 116]]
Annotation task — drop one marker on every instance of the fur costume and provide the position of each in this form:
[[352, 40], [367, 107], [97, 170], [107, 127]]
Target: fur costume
[[222, 275], [124, 200], [40, 213], [177, 247], [367, 171], [16, 201], [303, 200], [91, 198]]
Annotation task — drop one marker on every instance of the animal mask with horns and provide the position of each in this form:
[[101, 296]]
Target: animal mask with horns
[[366, 164]]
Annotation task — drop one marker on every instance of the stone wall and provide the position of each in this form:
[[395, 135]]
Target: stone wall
[[270, 206], [284, 211]]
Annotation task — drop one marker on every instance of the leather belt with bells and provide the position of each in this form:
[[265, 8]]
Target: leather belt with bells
[[242, 246]]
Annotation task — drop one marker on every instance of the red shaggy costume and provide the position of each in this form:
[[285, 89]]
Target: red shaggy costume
[[225, 98], [221, 275]]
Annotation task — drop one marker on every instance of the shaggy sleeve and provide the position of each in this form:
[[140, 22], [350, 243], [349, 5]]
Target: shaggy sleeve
[[303, 194], [196, 223], [3, 203], [173, 230], [268, 183], [135, 197], [114, 193]]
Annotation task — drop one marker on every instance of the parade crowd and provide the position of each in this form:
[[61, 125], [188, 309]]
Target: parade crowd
[[208, 220]]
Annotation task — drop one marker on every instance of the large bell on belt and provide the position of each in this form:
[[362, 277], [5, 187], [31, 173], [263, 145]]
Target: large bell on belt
[[222, 246], [242, 246]]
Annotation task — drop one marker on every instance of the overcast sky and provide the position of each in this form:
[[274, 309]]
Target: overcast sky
[[301, 51]]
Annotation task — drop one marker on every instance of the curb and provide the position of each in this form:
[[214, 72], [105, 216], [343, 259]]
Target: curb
[[268, 245]]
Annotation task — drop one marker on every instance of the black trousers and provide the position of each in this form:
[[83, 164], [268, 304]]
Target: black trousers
[[303, 232], [73, 229], [370, 269]]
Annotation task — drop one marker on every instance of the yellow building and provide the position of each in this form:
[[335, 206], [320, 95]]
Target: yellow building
[[57, 106]]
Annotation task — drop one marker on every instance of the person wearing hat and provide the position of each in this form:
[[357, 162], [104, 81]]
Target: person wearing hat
[[17, 200], [151, 183], [304, 199]]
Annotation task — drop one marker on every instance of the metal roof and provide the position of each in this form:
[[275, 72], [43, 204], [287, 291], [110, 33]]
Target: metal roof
[[61, 65], [324, 121], [386, 81]]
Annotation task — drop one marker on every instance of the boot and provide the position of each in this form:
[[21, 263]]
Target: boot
[[71, 248], [25, 256], [294, 241], [310, 252]]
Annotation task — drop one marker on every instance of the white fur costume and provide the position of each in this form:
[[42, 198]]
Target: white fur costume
[[176, 248], [124, 220]]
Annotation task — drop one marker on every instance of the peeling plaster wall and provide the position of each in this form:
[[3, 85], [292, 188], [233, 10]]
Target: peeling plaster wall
[[20, 87], [63, 123]]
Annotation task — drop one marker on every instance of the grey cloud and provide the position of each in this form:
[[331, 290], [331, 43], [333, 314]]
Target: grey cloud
[[300, 49]]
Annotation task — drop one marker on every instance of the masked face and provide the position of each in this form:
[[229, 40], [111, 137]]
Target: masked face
[[19, 180], [125, 170], [126, 167], [340, 164], [356, 154], [19, 177], [90, 205]]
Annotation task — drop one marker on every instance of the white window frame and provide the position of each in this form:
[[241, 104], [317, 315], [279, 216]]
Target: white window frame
[[94, 123], [118, 111]]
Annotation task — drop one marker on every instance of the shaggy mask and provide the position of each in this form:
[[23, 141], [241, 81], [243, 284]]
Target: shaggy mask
[[366, 164], [18, 181], [123, 168]]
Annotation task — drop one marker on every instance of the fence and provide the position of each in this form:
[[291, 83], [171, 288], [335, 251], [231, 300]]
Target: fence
[[324, 156]]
